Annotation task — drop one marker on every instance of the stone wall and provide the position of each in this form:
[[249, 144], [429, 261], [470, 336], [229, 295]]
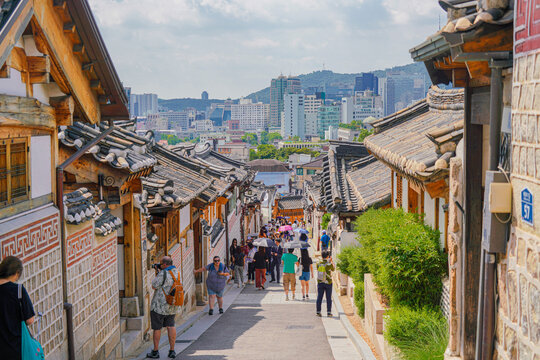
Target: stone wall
[[93, 290], [518, 271], [34, 237]]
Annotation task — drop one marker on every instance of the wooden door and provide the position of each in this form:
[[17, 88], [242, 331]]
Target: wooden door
[[412, 196]]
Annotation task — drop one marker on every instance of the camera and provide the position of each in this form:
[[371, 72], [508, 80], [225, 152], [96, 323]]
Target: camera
[[156, 267]]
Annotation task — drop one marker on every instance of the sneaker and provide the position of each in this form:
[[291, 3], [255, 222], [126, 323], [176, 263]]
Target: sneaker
[[329, 314], [318, 314], [303, 297], [272, 281], [172, 354], [154, 354], [286, 297], [293, 296], [262, 287], [220, 310], [211, 312], [307, 296]]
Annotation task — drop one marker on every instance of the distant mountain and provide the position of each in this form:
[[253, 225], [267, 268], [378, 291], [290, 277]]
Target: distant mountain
[[327, 77], [181, 104], [314, 79]]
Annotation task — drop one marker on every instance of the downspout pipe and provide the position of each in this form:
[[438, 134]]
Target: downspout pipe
[[60, 204], [486, 298]]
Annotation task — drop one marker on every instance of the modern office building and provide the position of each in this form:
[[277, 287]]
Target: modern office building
[[312, 103], [366, 104], [367, 81], [278, 88], [328, 115], [143, 104], [204, 95], [175, 120], [250, 116], [293, 123], [400, 90]]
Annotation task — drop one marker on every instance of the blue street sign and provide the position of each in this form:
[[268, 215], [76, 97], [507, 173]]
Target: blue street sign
[[527, 206]]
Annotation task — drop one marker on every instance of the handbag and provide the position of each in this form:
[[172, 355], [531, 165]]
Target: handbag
[[31, 348]]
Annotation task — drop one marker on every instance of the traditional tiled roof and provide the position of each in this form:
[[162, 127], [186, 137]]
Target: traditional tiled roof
[[290, 202], [420, 140], [352, 180], [177, 180], [268, 165], [318, 163], [80, 208], [465, 15], [121, 149], [312, 191], [216, 164]]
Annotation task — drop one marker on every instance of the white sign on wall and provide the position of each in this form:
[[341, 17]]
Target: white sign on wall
[[40, 166], [184, 217]]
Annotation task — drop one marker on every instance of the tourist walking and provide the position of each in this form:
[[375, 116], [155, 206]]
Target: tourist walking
[[232, 251], [239, 262], [250, 259], [215, 283], [324, 282], [260, 267], [307, 272], [162, 314], [325, 241], [289, 277], [13, 309], [276, 253]]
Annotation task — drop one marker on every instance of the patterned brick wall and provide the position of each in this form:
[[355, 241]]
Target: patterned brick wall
[[218, 250], [93, 281], [518, 272], [188, 264], [36, 241]]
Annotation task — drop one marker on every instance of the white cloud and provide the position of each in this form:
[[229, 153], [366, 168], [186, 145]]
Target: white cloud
[[177, 48]]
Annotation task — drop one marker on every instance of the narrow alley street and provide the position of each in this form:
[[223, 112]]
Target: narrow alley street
[[263, 325]]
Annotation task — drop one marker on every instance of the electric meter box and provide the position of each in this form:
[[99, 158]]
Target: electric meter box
[[500, 198], [494, 232]]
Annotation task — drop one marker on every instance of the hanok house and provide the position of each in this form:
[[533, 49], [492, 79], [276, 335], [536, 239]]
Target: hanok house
[[494, 284], [352, 182], [289, 207], [173, 194], [313, 208], [54, 68], [112, 170]]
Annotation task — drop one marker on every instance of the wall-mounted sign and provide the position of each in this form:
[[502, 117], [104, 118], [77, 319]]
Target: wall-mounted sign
[[527, 206]]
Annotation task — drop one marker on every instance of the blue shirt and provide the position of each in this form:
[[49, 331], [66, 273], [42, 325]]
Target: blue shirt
[[325, 239]]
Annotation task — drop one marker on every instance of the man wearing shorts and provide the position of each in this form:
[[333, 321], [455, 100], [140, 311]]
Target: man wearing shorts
[[161, 313], [289, 277]]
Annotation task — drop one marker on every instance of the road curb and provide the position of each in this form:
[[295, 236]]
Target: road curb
[[362, 347]]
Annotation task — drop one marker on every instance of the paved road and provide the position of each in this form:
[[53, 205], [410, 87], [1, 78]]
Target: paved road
[[262, 325]]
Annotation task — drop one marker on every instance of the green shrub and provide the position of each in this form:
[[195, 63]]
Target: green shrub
[[325, 220], [403, 255], [359, 300], [418, 334]]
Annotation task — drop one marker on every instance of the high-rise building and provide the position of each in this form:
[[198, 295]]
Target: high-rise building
[[367, 104], [175, 120], [328, 115], [400, 90], [250, 116], [143, 104], [293, 122], [312, 103], [204, 95], [367, 81], [278, 88]]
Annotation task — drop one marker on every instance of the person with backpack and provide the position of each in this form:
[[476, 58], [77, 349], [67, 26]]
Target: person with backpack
[[168, 297], [324, 282], [324, 241], [239, 262], [14, 309], [215, 283]]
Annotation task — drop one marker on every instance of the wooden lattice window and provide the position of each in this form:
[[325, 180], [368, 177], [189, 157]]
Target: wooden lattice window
[[399, 191], [13, 171], [173, 228]]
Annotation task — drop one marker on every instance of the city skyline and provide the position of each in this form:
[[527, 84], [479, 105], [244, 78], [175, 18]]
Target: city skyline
[[250, 43]]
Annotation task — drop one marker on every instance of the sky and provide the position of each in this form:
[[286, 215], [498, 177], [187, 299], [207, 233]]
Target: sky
[[231, 48]]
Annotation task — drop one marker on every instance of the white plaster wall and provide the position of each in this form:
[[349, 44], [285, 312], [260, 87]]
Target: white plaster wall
[[429, 210], [441, 221], [119, 213], [185, 215], [394, 185], [40, 166], [405, 192]]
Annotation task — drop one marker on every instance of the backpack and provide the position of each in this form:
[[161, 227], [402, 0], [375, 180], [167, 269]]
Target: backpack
[[175, 296], [239, 258], [322, 276]]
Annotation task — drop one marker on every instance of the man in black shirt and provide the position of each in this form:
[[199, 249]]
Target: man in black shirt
[[12, 310]]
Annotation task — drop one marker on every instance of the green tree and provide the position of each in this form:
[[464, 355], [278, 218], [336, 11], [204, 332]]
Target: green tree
[[274, 136], [296, 138], [250, 138], [363, 134], [253, 155], [264, 137], [265, 151]]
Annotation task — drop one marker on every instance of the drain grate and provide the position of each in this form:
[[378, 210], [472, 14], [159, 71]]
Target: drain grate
[[299, 327], [184, 341]]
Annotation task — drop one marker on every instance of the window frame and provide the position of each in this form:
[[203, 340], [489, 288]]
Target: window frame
[[8, 142]]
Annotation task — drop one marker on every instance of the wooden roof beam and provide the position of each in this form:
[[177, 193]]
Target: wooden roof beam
[[50, 27]]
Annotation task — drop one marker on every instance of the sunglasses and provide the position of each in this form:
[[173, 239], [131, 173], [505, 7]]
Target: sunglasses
[[216, 260]]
